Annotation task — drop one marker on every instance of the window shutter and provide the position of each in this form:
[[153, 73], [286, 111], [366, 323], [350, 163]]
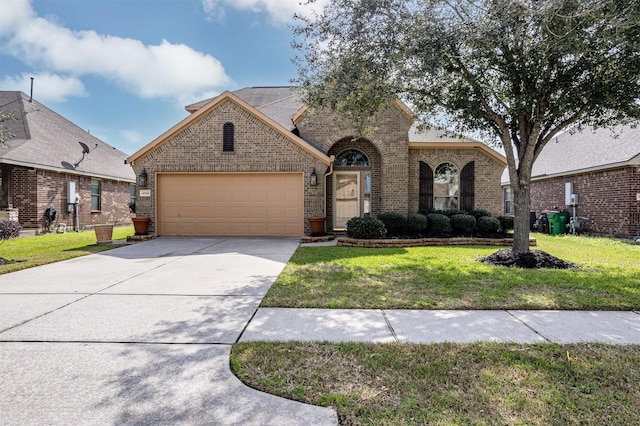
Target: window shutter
[[467, 187], [228, 137], [426, 187]]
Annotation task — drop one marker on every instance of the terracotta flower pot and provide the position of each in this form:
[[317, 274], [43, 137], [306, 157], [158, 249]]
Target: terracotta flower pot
[[141, 225], [316, 225], [104, 233]]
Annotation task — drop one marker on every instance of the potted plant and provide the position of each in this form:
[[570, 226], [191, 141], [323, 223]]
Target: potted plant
[[104, 233], [316, 225], [141, 225]]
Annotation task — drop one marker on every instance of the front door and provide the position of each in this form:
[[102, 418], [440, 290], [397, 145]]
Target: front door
[[346, 188]]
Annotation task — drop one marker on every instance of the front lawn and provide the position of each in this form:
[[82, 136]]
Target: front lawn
[[451, 384], [27, 252], [452, 278]]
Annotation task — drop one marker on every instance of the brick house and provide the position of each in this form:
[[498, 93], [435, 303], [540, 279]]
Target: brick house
[[44, 156], [602, 170], [258, 162]]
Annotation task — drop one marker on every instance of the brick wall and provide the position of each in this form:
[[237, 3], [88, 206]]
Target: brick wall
[[114, 203], [607, 198], [488, 193], [33, 191], [387, 147], [258, 148], [24, 195]]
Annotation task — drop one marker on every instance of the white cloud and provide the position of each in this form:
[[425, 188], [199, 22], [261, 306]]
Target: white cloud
[[47, 87], [280, 11], [165, 70], [132, 137]]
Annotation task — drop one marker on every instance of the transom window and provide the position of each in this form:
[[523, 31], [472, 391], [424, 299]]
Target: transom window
[[446, 187], [352, 158]]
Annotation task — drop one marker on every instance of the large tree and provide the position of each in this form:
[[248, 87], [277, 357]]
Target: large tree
[[518, 71]]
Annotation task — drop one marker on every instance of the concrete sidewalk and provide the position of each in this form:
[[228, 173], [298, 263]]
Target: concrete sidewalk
[[384, 326]]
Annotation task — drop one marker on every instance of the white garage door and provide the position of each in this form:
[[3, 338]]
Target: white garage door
[[229, 204]]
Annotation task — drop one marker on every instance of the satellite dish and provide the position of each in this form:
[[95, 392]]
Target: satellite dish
[[85, 148]]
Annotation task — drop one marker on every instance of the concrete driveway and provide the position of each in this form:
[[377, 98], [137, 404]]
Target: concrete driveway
[[140, 335]]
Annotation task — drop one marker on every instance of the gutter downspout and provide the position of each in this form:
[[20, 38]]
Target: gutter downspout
[[326, 175]]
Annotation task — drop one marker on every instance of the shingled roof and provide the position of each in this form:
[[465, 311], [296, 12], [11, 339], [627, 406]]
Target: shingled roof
[[587, 150], [282, 103], [46, 140]]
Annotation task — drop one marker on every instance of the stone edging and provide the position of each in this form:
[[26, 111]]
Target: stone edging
[[419, 242]]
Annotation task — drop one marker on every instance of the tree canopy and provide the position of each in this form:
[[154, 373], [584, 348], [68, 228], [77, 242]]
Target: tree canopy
[[519, 71]]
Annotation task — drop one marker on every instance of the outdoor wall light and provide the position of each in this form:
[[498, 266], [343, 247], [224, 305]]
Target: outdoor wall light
[[314, 178], [142, 178]]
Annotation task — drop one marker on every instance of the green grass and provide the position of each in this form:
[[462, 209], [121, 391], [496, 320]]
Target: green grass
[[27, 252], [445, 384], [452, 278]]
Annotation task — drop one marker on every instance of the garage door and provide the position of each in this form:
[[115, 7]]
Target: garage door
[[249, 204]]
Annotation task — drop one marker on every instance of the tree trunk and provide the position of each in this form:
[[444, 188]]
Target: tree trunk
[[521, 209]]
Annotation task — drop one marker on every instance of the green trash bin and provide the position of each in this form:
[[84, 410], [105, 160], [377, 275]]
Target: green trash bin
[[558, 222]]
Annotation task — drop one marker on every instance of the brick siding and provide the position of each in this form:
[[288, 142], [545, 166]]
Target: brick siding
[[258, 148], [33, 191], [488, 172], [607, 198]]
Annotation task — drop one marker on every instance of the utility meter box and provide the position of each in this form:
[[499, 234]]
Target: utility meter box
[[71, 195], [573, 199], [568, 193]]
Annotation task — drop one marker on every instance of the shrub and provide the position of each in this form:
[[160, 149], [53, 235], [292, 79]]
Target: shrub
[[367, 228], [438, 224], [447, 213], [416, 224], [478, 213], [488, 226], [395, 223], [9, 229], [463, 224], [506, 222]]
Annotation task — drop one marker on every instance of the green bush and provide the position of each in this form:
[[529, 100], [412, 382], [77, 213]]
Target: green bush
[[488, 226], [478, 213], [438, 224], [416, 224], [367, 228], [506, 223], [463, 224], [9, 229], [447, 213], [395, 223]]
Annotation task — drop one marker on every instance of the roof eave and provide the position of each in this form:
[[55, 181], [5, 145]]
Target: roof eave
[[461, 145], [59, 170], [631, 163]]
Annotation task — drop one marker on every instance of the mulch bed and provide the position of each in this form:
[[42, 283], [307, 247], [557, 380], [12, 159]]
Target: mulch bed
[[533, 259]]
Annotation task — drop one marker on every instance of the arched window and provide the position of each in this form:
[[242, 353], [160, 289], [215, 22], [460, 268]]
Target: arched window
[[446, 187], [228, 136], [352, 158]]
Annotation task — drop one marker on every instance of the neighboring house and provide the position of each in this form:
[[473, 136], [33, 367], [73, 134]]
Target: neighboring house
[[258, 162], [45, 156], [602, 170]]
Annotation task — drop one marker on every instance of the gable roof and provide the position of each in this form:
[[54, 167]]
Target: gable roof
[[283, 105], [279, 103], [46, 140], [434, 138], [204, 107], [585, 151]]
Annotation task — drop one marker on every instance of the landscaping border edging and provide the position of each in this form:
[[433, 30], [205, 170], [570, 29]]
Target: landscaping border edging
[[420, 242]]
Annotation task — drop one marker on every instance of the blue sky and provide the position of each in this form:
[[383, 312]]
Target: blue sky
[[125, 69]]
